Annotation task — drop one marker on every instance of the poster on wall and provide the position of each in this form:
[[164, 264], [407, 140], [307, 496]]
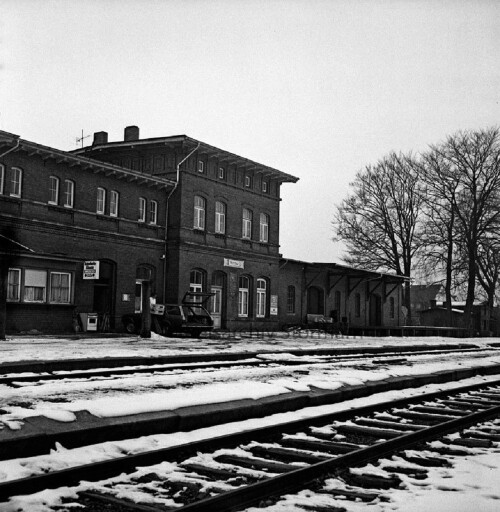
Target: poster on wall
[[273, 310], [91, 269]]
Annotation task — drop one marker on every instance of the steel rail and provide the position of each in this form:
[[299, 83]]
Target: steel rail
[[109, 468], [109, 372], [294, 481], [116, 362]]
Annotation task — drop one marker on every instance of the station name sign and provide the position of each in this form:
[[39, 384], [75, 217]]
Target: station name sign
[[91, 269], [234, 263]]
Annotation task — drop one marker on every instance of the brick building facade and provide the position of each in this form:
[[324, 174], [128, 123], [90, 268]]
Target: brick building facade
[[60, 210], [175, 213]]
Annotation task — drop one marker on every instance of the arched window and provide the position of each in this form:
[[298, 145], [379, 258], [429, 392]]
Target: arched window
[[101, 200], [264, 228], [220, 217], [290, 300], [53, 190], [243, 296], [114, 201], [196, 280], [16, 182], [261, 298], [246, 229], [199, 212], [69, 193]]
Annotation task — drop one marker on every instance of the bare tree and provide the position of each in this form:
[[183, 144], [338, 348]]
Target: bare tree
[[379, 221], [474, 159], [440, 185], [488, 272]]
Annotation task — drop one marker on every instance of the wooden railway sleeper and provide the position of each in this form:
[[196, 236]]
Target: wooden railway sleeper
[[439, 410], [404, 427], [313, 445], [288, 454]]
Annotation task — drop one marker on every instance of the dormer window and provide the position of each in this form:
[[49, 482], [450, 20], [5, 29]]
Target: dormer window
[[264, 186], [201, 166], [248, 181]]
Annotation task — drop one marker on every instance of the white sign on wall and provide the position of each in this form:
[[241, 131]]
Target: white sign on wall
[[273, 309], [234, 263], [91, 269]]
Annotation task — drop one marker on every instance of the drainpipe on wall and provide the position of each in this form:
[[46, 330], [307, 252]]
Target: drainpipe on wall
[[18, 142], [169, 195]]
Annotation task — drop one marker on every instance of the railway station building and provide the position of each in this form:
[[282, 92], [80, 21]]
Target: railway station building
[[83, 231]]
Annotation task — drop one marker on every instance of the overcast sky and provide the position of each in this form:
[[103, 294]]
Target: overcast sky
[[317, 89]]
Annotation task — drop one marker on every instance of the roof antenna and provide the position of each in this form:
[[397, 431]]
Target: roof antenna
[[81, 139]]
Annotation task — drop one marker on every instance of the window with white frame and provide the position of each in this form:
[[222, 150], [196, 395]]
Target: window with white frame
[[60, 287], [35, 285], [261, 298], [290, 300], [69, 193], [243, 295], [14, 284], [264, 186], [201, 166], [53, 190], [220, 217], [199, 212], [142, 209], [248, 181], [16, 182], [222, 173], [153, 212], [101, 201], [114, 201], [246, 231], [2, 178], [196, 279], [264, 228]]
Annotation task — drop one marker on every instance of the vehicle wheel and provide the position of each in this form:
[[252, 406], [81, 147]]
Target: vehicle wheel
[[130, 327]]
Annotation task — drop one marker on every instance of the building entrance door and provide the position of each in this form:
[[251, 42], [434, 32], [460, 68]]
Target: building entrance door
[[216, 306], [375, 309]]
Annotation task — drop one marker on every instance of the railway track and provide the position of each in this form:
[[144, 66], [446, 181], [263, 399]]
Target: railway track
[[237, 471], [16, 375]]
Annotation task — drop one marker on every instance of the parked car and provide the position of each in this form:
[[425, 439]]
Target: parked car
[[191, 316]]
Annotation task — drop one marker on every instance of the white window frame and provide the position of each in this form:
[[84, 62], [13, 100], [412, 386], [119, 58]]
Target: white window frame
[[248, 181], [220, 217], [69, 193], [201, 166], [199, 212], [53, 190], [261, 298], [2, 178], [246, 228], [264, 228], [17, 296], [101, 201], [142, 209], [114, 203], [264, 186], [16, 182], [243, 296], [52, 288], [27, 285], [196, 284], [222, 173], [153, 212]]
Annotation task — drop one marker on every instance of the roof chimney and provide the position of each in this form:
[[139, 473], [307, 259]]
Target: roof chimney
[[131, 133], [100, 138]]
